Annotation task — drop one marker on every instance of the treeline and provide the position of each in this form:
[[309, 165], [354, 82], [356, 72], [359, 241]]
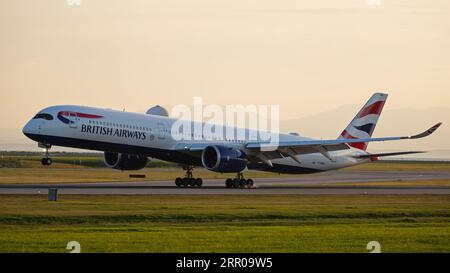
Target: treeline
[[91, 160], [58, 154]]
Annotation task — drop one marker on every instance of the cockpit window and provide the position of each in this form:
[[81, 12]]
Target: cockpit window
[[43, 116]]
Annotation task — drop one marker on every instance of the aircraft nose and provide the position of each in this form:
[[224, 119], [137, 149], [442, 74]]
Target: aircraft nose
[[30, 128]]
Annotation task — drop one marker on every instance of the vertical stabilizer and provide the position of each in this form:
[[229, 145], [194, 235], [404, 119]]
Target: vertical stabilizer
[[364, 123]]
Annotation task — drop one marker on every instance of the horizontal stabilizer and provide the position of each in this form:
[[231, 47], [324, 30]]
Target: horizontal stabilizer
[[388, 154]]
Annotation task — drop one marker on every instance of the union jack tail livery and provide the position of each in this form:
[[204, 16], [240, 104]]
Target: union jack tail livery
[[364, 123]]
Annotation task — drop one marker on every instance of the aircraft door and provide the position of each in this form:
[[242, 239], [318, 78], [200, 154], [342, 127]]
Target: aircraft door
[[161, 130], [72, 117]]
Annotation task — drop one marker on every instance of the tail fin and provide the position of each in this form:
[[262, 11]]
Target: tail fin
[[363, 124]]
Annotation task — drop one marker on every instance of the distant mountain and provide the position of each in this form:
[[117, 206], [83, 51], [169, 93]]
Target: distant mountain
[[14, 140]]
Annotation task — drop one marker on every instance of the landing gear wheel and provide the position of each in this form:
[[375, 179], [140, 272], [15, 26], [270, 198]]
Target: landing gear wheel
[[179, 182], [192, 182], [185, 182], [229, 183], [242, 183], [188, 180], [239, 182], [250, 183], [198, 182], [46, 161], [236, 183]]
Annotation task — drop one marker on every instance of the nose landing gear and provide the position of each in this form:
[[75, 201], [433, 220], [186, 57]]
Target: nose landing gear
[[188, 180], [46, 160], [239, 182]]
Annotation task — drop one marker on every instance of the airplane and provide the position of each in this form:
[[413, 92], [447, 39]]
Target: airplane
[[129, 139]]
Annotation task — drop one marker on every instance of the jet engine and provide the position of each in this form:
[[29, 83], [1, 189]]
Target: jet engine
[[125, 162], [223, 159]]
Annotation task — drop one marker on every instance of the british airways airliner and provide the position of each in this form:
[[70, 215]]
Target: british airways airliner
[[129, 139]]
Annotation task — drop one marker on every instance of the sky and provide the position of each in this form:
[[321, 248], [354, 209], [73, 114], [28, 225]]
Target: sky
[[305, 56]]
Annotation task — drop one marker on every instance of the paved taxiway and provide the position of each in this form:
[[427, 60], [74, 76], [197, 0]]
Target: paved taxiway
[[307, 184]]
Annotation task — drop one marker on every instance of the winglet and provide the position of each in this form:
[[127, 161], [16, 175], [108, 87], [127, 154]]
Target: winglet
[[427, 132]]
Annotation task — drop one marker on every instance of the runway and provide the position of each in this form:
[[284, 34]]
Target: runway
[[323, 183]]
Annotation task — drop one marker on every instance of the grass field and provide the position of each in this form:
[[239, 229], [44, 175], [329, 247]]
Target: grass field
[[219, 223], [216, 223]]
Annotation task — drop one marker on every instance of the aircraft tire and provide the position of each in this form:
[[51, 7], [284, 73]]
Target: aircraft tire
[[185, 182], [192, 182], [236, 183], [229, 183], [179, 182], [198, 182], [46, 161], [250, 183], [242, 183]]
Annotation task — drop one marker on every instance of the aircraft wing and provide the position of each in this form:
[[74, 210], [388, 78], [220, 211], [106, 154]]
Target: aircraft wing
[[268, 151]]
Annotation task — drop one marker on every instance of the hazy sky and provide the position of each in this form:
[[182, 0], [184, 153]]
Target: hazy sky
[[306, 56]]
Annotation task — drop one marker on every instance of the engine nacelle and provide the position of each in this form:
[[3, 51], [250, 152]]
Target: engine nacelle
[[125, 162], [223, 159]]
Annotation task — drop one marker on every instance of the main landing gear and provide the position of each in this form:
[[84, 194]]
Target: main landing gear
[[239, 182], [46, 160], [188, 180]]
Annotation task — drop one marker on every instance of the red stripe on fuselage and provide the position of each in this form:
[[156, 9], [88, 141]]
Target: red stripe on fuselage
[[373, 109]]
